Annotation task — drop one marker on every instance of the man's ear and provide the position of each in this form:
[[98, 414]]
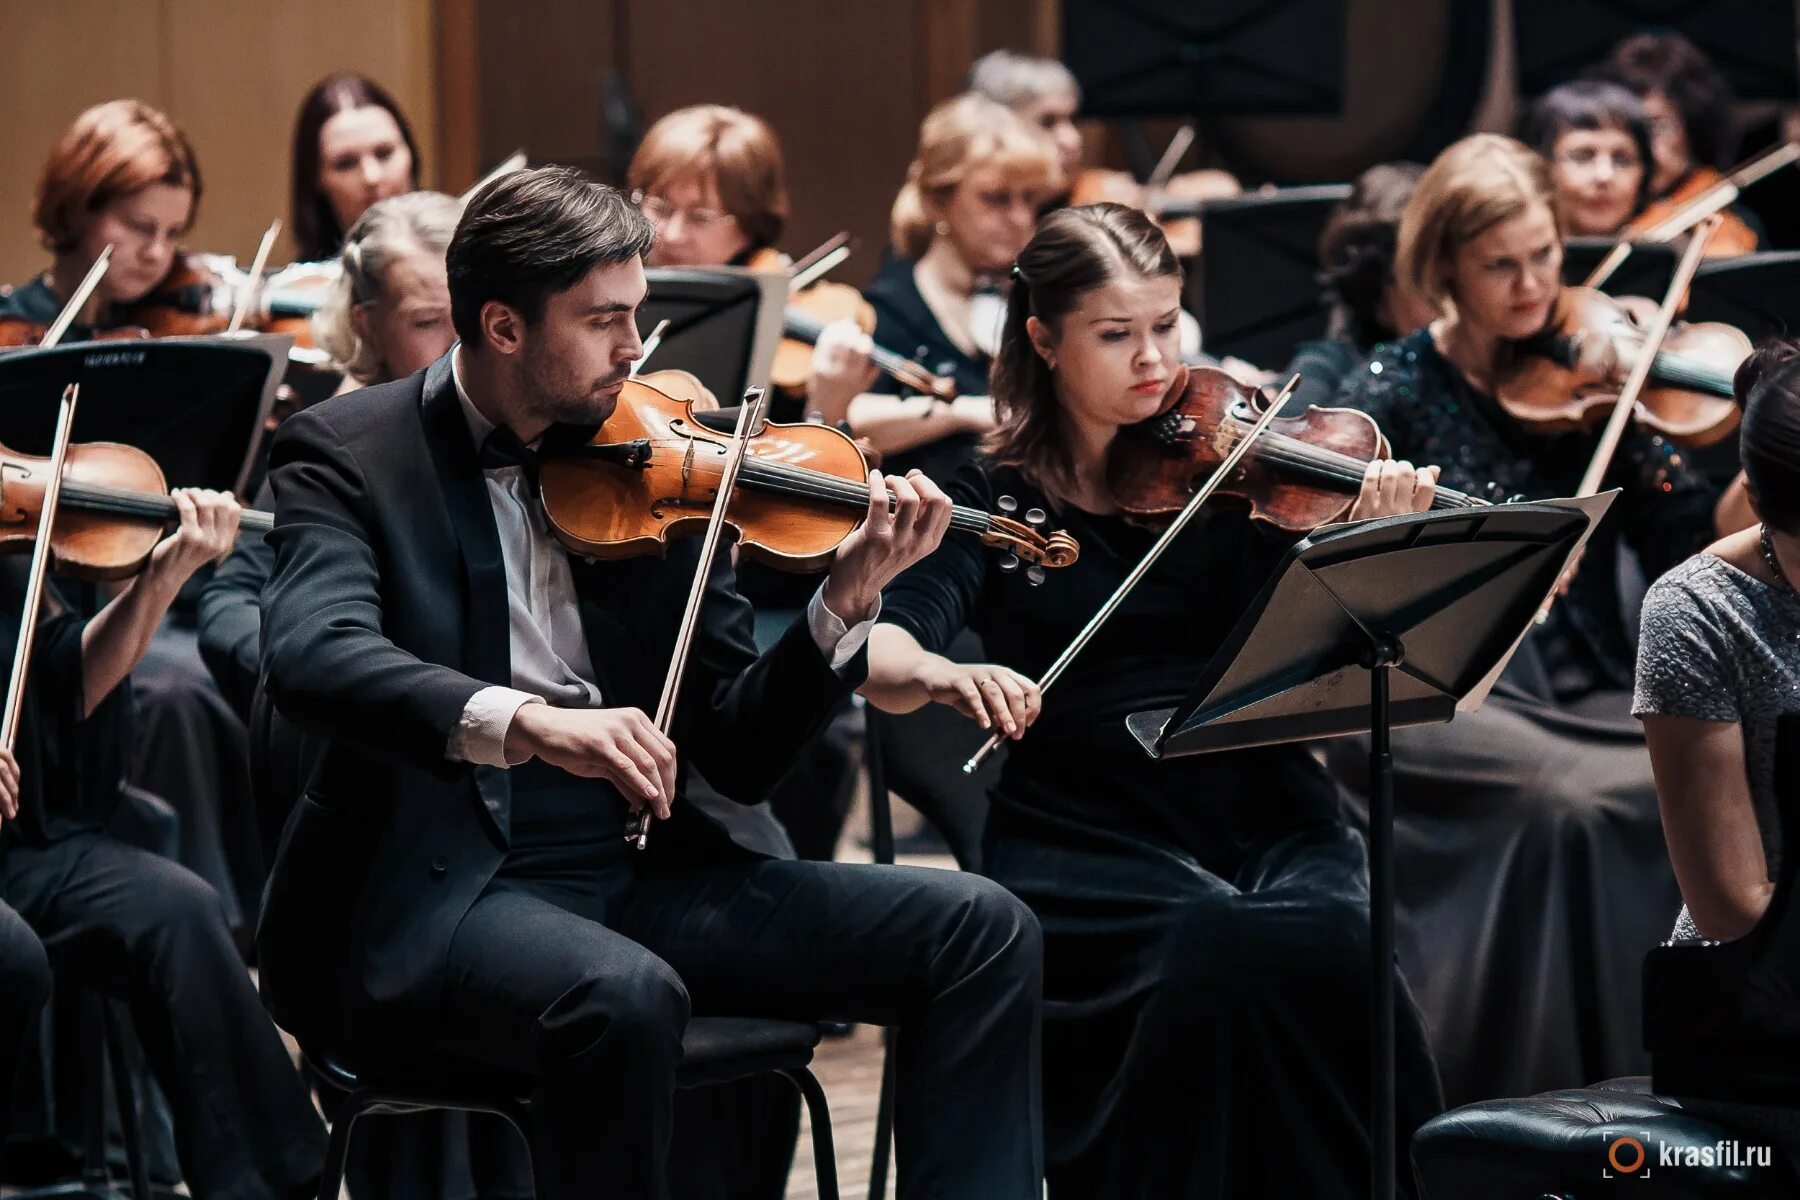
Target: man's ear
[[502, 327]]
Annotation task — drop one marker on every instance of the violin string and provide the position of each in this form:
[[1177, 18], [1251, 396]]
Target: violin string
[[1284, 450], [801, 481], [102, 497], [1672, 368]]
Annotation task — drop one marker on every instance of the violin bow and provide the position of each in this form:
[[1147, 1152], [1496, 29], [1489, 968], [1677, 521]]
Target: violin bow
[[637, 830], [513, 162], [1722, 194], [83, 291], [820, 262], [1640, 372], [1646, 358], [1220, 474], [650, 345], [34, 581], [253, 285], [1714, 199]]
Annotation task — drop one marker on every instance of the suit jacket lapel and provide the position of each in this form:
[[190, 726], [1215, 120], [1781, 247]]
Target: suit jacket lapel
[[487, 638]]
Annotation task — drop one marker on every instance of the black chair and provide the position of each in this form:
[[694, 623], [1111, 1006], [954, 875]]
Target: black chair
[[1721, 1021], [104, 1059], [715, 1050], [1568, 1145]]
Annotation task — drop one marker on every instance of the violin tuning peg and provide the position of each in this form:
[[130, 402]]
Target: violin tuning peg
[[1036, 517], [1009, 562], [1007, 504], [1034, 575]]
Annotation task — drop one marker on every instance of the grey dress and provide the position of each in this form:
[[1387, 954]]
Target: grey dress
[[1718, 644]]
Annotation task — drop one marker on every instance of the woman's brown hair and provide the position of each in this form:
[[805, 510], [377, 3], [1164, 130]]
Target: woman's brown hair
[[112, 150], [315, 225], [1074, 251], [737, 151], [957, 137], [1471, 187]]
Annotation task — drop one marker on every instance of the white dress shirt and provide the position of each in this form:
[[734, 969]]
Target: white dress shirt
[[550, 661]]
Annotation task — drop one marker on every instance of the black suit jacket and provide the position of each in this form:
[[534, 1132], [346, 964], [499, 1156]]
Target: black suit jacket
[[386, 612]]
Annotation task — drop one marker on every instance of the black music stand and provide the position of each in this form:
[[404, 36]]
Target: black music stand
[[1759, 293], [724, 324], [198, 406], [1205, 58], [1646, 272], [1362, 628], [1259, 294]]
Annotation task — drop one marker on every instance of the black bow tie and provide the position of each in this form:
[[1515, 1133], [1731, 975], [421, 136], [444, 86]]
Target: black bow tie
[[502, 448]]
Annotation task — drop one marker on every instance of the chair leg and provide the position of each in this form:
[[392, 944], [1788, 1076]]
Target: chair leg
[[884, 1119], [819, 1115], [125, 1096], [337, 1147]]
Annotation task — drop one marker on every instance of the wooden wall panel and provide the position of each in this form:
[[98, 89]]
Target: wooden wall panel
[[837, 82], [232, 75], [51, 76]]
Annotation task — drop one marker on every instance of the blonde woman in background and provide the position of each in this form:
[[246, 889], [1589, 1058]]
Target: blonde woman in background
[[969, 205]]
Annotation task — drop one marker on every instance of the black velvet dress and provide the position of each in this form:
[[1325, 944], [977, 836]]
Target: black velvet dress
[[1206, 1023], [1531, 871], [904, 323]]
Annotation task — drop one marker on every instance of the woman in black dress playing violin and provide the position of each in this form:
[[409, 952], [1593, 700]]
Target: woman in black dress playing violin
[[1205, 919]]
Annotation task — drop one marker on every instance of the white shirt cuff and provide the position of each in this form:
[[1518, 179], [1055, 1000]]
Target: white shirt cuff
[[836, 641], [480, 735]]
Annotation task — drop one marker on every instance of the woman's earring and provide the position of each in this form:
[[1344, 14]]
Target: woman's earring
[[942, 228]]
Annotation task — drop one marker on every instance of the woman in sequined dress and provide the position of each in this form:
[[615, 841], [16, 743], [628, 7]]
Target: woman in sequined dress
[[1532, 873]]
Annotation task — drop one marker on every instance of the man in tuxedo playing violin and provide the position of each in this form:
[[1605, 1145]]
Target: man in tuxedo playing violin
[[454, 886]]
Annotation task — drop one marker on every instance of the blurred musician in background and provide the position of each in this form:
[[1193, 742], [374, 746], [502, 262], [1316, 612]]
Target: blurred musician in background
[[712, 182], [128, 922], [352, 147], [122, 175], [1043, 93], [1596, 137], [968, 206], [1530, 826], [1692, 139], [1367, 305]]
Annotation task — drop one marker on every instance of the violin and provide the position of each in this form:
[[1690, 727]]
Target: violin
[[1734, 236], [1569, 376], [651, 472], [1303, 472], [1706, 191], [112, 508], [203, 293], [807, 314]]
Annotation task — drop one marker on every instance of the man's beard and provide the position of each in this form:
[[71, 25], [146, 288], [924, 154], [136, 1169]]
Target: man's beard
[[558, 397]]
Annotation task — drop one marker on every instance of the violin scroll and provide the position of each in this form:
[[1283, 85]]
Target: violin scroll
[[1024, 542]]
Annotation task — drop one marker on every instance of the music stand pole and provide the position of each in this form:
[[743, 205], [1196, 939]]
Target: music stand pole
[[1384, 654], [1427, 607]]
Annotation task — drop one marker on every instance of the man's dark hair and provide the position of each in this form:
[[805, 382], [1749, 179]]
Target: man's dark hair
[[532, 233]]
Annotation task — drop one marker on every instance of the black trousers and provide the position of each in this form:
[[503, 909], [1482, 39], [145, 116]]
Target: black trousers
[[152, 933], [24, 985], [581, 968]]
